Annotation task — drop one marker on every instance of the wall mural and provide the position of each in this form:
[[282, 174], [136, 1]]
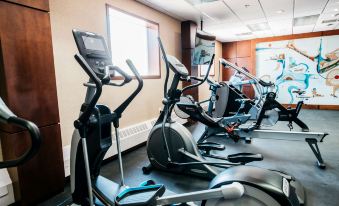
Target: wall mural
[[302, 69]]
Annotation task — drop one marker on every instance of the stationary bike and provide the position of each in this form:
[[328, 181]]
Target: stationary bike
[[251, 186]]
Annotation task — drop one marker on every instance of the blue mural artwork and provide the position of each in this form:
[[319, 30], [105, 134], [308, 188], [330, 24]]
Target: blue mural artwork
[[302, 68]]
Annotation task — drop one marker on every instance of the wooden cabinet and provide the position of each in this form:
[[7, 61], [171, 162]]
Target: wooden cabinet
[[27, 67], [188, 31], [244, 48], [28, 87], [40, 177], [37, 4], [229, 50]]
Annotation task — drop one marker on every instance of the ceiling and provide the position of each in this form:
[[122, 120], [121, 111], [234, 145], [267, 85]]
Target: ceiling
[[234, 20]]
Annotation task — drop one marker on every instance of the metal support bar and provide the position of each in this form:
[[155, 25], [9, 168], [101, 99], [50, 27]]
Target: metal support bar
[[312, 138], [316, 151], [232, 191]]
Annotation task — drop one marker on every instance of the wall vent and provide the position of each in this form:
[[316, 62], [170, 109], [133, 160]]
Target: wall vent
[[198, 2], [305, 20], [244, 34], [327, 21]]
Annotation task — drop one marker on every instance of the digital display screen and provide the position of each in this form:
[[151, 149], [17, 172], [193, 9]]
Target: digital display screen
[[93, 43]]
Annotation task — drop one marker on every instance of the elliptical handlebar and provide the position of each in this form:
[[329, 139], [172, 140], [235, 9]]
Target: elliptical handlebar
[[125, 104], [6, 116], [84, 116], [201, 81]]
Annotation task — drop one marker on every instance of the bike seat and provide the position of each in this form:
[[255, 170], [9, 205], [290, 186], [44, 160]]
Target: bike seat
[[208, 146], [197, 113], [244, 158], [143, 195]]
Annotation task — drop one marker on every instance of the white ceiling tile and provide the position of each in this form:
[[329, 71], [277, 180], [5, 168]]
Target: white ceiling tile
[[271, 8], [246, 9], [215, 11], [307, 13], [309, 5], [281, 27], [179, 9], [332, 7], [302, 29], [255, 21]]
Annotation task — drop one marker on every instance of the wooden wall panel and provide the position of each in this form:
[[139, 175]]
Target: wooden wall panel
[[37, 4], [188, 30], [226, 72], [244, 48], [32, 185], [229, 50], [27, 65]]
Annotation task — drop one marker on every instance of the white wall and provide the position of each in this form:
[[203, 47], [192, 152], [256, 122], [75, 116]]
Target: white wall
[[91, 15]]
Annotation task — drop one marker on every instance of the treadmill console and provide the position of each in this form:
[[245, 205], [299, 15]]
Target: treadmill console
[[93, 48], [177, 66]]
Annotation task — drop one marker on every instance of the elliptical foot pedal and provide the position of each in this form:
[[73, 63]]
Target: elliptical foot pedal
[[147, 169], [248, 140], [208, 146], [244, 158], [143, 196]]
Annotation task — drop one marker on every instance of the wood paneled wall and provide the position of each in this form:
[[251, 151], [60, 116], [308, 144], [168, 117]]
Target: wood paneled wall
[[240, 54], [243, 54]]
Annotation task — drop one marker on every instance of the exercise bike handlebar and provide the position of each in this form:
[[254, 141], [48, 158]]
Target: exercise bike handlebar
[[201, 81], [6, 116], [226, 63]]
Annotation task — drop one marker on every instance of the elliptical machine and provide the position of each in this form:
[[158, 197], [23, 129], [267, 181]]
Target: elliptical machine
[[171, 147], [8, 117], [250, 186]]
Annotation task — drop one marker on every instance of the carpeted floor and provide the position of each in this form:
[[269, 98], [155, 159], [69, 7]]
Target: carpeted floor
[[293, 157]]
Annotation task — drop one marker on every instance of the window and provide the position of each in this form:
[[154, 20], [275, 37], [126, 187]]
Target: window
[[135, 38]]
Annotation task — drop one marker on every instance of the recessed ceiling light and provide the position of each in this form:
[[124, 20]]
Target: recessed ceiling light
[[259, 27], [305, 20], [280, 11], [329, 25], [247, 5], [335, 9]]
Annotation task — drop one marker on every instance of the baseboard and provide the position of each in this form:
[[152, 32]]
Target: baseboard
[[131, 137]]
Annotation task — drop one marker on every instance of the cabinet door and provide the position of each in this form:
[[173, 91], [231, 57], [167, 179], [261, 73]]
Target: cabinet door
[[27, 75], [41, 177], [38, 4]]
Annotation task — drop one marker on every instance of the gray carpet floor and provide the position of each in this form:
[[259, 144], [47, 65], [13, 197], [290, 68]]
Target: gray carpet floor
[[293, 157]]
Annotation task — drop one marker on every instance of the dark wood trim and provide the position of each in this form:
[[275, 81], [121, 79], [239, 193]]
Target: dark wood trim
[[44, 6], [108, 6]]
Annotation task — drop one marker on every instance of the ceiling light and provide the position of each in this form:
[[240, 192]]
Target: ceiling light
[[335, 9], [305, 20], [247, 5], [197, 2], [244, 34], [259, 27], [280, 11], [329, 25]]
